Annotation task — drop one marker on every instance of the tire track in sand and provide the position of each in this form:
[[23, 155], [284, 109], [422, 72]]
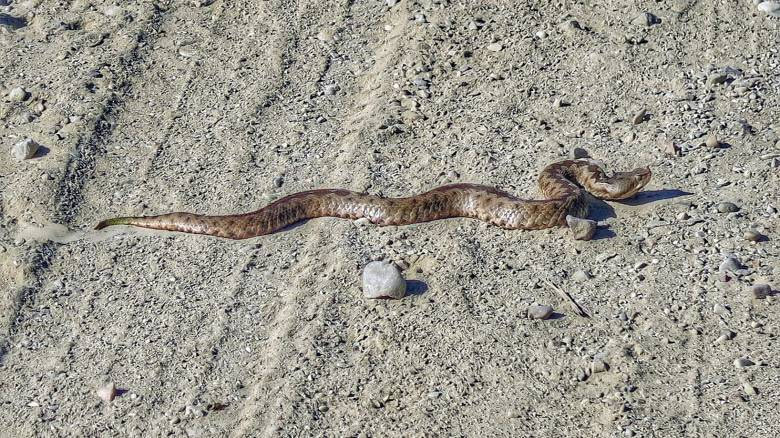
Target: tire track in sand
[[267, 405]]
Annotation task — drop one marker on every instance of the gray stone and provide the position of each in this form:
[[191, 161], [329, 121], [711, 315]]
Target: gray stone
[[495, 47], [582, 229], [578, 153], [771, 8], [639, 117], [107, 392], [598, 366], [26, 149], [18, 94], [760, 291], [580, 276], [731, 264], [743, 362], [382, 280], [727, 207], [539, 311], [645, 19], [717, 78], [753, 236], [712, 142]]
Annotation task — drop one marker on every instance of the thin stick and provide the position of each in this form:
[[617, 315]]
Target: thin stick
[[563, 294]]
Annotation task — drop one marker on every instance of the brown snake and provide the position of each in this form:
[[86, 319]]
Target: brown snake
[[563, 184]]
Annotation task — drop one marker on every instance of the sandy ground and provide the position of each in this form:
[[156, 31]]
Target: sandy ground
[[150, 107]]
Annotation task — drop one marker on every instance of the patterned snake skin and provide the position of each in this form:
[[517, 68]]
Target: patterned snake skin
[[563, 185]]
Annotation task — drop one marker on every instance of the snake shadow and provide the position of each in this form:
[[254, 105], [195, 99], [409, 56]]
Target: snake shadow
[[416, 287], [650, 196], [601, 210]]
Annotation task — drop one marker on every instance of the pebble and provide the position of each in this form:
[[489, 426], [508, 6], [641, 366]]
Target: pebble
[[639, 117], [712, 142], [760, 291], [580, 276], [108, 392], [278, 181], [495, 47], [330, 89], [730, 264], [645, 19], [749, 389], [753, 236], [578, 153], [671, 149], [382, 280], [771, 8], [582, 229], [717, 78], [599, 366], [18, 94], [727, 207], [720, 309], [743, 363], [26, 149], [539, 311]]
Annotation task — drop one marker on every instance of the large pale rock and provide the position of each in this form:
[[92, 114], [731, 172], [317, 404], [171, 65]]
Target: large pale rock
[[382, 280]]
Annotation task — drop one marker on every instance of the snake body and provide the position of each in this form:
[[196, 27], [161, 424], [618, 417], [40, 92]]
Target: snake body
[[563, 185]]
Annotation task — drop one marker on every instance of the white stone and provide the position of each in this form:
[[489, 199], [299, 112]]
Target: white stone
[[771, 8], [382, 280], [25, 149], [17, 94], [107, 392]]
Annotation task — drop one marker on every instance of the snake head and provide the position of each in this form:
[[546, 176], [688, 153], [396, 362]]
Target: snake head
[[624, 185]]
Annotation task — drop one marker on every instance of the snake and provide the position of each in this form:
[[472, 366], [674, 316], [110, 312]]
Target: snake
[[564, 185]]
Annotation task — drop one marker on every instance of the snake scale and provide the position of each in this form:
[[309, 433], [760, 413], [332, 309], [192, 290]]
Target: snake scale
[[563, 185]]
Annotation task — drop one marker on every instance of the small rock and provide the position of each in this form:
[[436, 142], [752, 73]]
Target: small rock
[[495, 47], [743, 363], [671, 149], [754, 236], [582, 229], [717, 78], [26, 149], [539, 311], [580, 276], [639, 117], [599, 366], [749, 389], [107, 392], [330, 89], [771, 8], [645, 19], [579, 153], [18, 94], [278, 181], [730, 264], [382, 280], [727, 207], [581, 374], [720, 309], [712, 142], [760, 291]]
